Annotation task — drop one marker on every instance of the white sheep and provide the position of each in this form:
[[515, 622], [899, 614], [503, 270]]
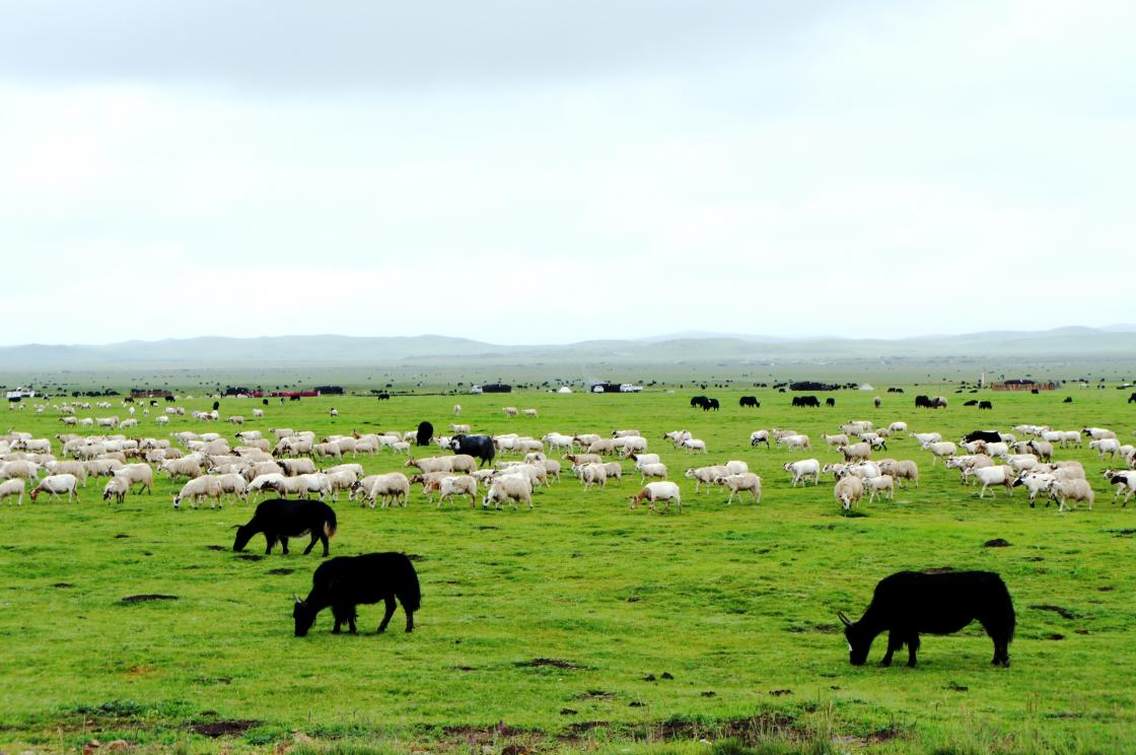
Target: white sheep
[[705, 475], [1002, 474], [882, 485], [802, 469], [16, 487], [848, 490], [512, 489], [207, 486], [1070, 490], [741, 482], [652, 470], [653, 492]]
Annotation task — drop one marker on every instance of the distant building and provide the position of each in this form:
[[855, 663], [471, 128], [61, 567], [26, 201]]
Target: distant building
[[1023, 385]]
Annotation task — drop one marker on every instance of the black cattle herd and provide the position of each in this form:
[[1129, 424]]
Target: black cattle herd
[[904, 605]]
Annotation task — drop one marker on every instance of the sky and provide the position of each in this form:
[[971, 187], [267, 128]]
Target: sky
[[522, 171]]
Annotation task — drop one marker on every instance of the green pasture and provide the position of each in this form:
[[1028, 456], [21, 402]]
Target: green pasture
[[580, 625]]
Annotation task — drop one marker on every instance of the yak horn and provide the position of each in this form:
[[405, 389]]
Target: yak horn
[[840, 615]]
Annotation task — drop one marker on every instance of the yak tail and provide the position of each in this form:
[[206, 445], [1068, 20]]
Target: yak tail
[[411, 595], [329, 527]]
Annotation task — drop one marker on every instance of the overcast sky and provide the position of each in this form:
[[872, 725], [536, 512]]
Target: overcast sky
[[522, 171]]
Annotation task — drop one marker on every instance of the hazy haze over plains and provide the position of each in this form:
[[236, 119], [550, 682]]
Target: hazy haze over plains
[[568, 170]]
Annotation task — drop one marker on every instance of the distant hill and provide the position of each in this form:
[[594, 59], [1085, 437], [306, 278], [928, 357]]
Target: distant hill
[[1113, 342]]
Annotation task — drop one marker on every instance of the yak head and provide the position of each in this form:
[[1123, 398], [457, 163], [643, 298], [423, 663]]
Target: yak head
[[304, 617], [244, 534], [859, 642]]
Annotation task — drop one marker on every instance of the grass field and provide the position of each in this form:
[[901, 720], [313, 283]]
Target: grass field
[[580, 625]]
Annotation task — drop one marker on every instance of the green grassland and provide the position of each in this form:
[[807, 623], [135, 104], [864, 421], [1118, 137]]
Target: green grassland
[[580, 625]]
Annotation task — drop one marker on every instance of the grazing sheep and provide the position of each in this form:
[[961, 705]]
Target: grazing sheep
[[137, 474], [925, 438], [77, 468], [836, 441], [658, 491], [856, 452], [26, 470], [512, 489], [641, 459], [614, 471], [1034, 483], [16, 487], [738, 483], [510, 411], [234, 485], [759, 436], [208, 486], [579, 459], [794, 441], [432, 463], [56, 485], [803, 469], [189, 466], [529, 412], [1102, 446], [1124, 481], [116, 487], [848, 490], [941, 450]]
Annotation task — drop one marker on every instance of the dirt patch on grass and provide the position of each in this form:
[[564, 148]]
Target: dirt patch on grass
[[224, 728], [1064, 613], [280, 572], [595, 694], [146, 598], [216, 548], [120, 536], [250, 557], [1053, 636], [553, 662], [63, 585], [997, 542]]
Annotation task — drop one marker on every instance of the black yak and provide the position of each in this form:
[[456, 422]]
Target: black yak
[[750, 401], [699, 401], [830, 401], [806, 401], [425, 433], [280, 519], [907, 603], [711, 403], [985, 405], [346, 581], [479, 447], [988, 436]]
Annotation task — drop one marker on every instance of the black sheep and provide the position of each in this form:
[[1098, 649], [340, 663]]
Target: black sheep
[[280, 519], [907, 603], [346, 581]]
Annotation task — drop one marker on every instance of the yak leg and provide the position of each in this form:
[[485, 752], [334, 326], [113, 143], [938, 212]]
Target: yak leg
[[895, 642], [315, 538], [269, 540], [390, 606], [912, 647], [284, 544]]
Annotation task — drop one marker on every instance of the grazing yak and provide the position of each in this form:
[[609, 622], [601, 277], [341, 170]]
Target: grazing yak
[[425, 433], [700, 402], [806, 401], [985, 405], [280, 519], [988, 436], [750, 401], [908, 603], [346, 581], [926, 402], [830, 402], [479, 447]]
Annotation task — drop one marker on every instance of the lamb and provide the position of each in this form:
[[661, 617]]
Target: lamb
[[759, 436], [1002, 474], [1034, 483], [658, 491], [392, 488], [16, 487], [512, 489], [705, 475], [882, 485], [448, 487], [652, 470], [803, 469], [941, 450], [116, 487], [1125, 482], [737, 483], [694, 445], [1070, 490], [848, 490], [898, 427], [208, 486]]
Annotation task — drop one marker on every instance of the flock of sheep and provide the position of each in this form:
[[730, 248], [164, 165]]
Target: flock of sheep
[[287, 462]]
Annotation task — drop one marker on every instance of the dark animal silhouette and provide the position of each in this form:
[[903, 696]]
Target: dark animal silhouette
[[425, 433], [972, 402], [806, 401], [985, 405], [711, 404], [701, 402], [1131, 399], [830, 401], [907, 603], [280, 519], [346, 581], [750, 401]]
